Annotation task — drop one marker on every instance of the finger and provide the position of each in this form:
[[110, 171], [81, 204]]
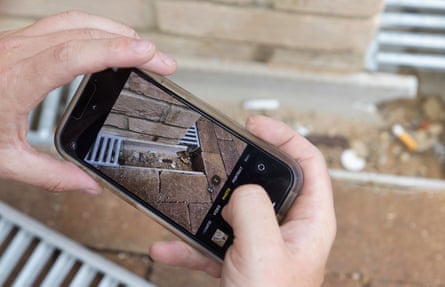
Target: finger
[[282, 136], [179, 254], [17, 48], [38, 169], [72, 20], [61, 64], [252, 217], [161, 62], [316, 177]]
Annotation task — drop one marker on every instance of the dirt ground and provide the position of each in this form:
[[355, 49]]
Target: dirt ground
[[422, 118], [180, 161]]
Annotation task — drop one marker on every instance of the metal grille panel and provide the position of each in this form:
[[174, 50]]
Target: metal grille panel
[[21, 235], [412, 34], [191, 138], [105, 151]]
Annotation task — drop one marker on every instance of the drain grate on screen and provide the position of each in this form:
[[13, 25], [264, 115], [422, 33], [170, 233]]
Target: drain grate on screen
[[105, 151], [33, 255], [191, 138]]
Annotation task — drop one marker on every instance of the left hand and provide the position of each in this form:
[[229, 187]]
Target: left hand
[[50, 53]]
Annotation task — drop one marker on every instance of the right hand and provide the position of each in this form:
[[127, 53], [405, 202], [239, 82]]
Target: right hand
[[264, 253]]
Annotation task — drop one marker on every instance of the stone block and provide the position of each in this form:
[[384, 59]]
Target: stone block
[[35, 202], [325, 61], [134, 105], [107, 222], [214, 166], [229, 154], [136, 13], [181, 117], [265, 27], [139, 264], [222, 134], [183, 46], [393, 235], [177, 211], [383, 283], [164, 275], [117, 120], [198, 211], [129, 135], [207, 136], [340, 281], [182, 187], [146, 88], [240, 145], [143, 182], [235, 2], [156, 129], [349, 8]]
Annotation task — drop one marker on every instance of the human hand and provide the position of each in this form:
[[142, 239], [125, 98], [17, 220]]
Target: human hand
[[264, 253], [41, 57]]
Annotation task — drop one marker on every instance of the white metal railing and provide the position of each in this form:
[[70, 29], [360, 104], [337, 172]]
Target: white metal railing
[[53, 259], [422, 4], [412, 34], [43, 119]]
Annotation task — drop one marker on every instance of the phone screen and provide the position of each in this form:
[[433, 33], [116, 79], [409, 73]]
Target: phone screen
[[176, 160]]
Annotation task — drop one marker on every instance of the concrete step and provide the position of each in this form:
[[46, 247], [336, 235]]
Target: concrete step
[[351, 95]]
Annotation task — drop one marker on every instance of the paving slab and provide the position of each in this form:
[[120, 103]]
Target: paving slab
[[107, 222], [38, 203], [335, 280], [387, 237], [389, 234], [139, 264], [166, 276]]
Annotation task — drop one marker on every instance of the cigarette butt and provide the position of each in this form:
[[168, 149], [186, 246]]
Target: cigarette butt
[[406, 139]]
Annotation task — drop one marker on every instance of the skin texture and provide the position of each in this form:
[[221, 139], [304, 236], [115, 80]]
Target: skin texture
[[39, 58], [264, 253]]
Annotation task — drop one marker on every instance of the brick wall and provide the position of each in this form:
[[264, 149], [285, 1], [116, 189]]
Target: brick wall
[[326, 35], [150, 115]]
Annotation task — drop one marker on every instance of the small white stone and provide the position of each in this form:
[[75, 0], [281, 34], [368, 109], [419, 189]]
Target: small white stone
[[351, 161], [261, 104]]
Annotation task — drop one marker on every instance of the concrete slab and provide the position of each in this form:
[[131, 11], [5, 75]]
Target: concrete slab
[[347, 95], [107, 222], [389, 235]]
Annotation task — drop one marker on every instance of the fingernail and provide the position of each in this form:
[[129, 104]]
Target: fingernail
[[169, 61], [142, 46]]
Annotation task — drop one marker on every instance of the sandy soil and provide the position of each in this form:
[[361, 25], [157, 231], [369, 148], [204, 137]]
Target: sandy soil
[[422, 118]]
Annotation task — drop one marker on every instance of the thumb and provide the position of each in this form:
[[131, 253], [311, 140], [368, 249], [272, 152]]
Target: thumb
[[44, 171], [252, 217]]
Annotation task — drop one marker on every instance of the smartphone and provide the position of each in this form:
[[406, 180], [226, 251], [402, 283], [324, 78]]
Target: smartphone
[[170, 155]]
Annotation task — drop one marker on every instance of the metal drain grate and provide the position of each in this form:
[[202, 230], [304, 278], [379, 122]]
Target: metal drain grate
[[51, 259], [105, 151], [191, 138], [412, 34]]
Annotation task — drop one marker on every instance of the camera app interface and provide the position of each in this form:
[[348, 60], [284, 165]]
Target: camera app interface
[[177, 161]]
